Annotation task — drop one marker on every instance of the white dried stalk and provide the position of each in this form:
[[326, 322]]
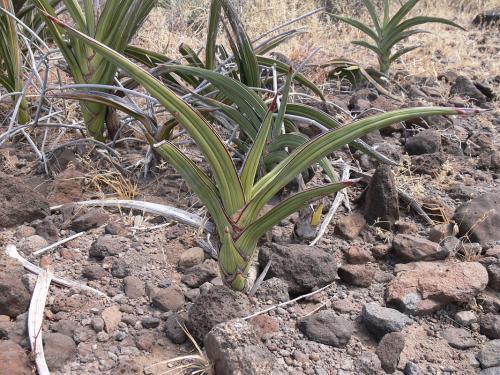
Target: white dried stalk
[[341, 196], [12, 252], [35, 320], [168, 212], [58, 243]]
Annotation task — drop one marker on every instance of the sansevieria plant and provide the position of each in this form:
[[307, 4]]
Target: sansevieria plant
[[235, 198], [113, 24], [387, 31], [11, 66]]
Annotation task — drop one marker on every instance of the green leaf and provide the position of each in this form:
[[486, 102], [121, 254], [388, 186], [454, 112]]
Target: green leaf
[[276, 40], [400, 14], [284, 68], [206, 138], [252, 161], [362, 43], [249, 69], [373, 14], [278, 121], [358, 25], [259, 227], [213, 28], [233, 263], [197, 180], [190, 55], [245, 98], [402, 51], [314, 150], [386, 12]]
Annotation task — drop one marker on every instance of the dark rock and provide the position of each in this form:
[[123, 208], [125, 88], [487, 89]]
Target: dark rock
[[489, 355], [350, 226], [412, 369], [490, 326], [108, 245], [13, 359], [273, 289], [200, 274], [458, 338], [94, 272], [465, 87], [487, 18], [65, 327], [173, 329], [116, 229], [302, 267], [14, 296], [380, 198], [367, 363], [424, 287], [494, 275], [19, 203], [265, 324], [429, 164], [382, 320], [235, 348], [413, 249], [425, 142], [59, 350], [93, 218], [303, 230], [145, 341], [33, 243], [120, 268], [168, 299], [479, 219], [191, 257], [327, 328], [219, 304], [47, 229], [134, 287], [150, 322], [357, 274], [441, 231], [389, 349], [490, 371], [359, 255]]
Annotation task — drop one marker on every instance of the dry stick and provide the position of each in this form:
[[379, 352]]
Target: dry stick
[[167, 212], [35, 320], [333, 209], [288, 302], [12, 252], [54, 245]]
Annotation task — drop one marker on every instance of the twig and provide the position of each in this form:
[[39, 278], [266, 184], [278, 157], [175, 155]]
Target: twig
[[54, 245], [12, 252], [288, 302], [35, 320], [333, 209], [259, 280], [168, 212]]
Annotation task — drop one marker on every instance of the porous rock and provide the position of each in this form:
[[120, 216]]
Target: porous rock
[[425, 287], [219, 304], [302, 267], [235, 349]]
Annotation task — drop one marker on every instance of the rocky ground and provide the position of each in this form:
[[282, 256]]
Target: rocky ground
[[403, 295]]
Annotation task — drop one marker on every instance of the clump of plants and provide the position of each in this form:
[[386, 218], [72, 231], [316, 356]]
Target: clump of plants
[[235, 197], [388, 31]]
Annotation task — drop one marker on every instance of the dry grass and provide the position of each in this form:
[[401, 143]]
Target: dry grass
[[445, 49]]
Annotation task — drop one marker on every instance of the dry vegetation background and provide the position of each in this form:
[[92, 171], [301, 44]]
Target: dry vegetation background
[[446, 48]]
